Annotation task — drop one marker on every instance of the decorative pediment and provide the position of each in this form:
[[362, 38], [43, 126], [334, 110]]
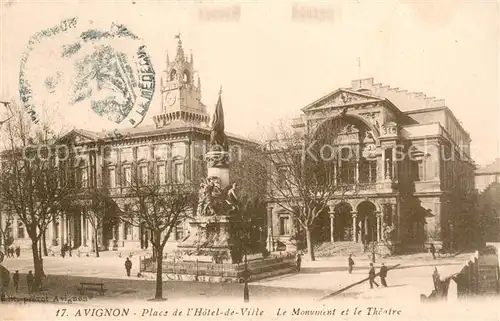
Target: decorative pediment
[[340, 98], [77, 137]]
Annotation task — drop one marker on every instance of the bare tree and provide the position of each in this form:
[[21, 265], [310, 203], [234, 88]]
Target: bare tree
[[159, 208], [30, 184], [300, 172], [99, 209], [5, 227]]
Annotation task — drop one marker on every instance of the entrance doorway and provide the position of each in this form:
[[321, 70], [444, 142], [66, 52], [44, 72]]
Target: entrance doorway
[[343, 222], [367, 222]]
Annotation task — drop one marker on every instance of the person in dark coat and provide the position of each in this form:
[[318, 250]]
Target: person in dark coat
[[18, 251], [432, 249], [29, 280], [128, 266], [350, 261], [383, 274], [298, 262], [371, 276], [15, 279]]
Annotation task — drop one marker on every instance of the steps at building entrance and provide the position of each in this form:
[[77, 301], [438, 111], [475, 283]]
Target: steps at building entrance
[[328, 249]]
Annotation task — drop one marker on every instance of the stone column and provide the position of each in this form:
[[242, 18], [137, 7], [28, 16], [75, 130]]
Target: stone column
[[270, 241], [14, 226], [82, 230], [334, 173], [379, 227], [99, 166], [49, 234], [332, 227], [394, 164], [354, 225], [61, 229], [120, 234], [89, 231], [356, 173], [191, 159], [394, 214], [382, 174]]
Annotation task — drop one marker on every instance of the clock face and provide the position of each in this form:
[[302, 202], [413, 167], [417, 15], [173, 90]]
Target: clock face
[[171, 98]]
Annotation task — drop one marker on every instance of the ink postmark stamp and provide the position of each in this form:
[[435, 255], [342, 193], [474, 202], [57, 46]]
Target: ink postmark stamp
[[90, 71]]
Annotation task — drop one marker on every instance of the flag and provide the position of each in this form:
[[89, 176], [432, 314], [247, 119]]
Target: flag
[[218, 119]]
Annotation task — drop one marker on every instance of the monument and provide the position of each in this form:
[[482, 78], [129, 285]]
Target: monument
[[209, 237], [212, 252]]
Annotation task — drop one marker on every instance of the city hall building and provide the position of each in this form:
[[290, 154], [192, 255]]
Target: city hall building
[[418, 198], [170, 151]]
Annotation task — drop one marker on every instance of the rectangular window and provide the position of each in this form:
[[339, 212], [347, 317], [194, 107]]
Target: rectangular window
[[160, 174], [111, 178], [179, 232], [143, 153], [421, 171], [372, 171], [127, 155], [20, 230], [281, 179], [179, 172], [285, 225], [85, 178], [143, 174], [127, 176], [179, 150], [160, 151]]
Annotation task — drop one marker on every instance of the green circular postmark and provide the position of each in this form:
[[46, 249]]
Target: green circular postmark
[[91, 70]]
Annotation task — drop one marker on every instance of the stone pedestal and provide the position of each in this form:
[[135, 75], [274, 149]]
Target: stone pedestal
[[218, 166], [208, 237]]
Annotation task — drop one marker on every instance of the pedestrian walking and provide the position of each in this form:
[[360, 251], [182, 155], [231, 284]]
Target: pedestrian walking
[[371, 276], [15, 279], [29, 281], [298, 261], [18, 251], [383, 274], [128, 266], [432, 249], [350, 262]]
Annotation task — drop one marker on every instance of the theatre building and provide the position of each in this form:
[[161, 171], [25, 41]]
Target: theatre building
[[169, 151], [400, 202]]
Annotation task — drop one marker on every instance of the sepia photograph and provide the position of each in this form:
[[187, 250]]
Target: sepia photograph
[[249, 160]]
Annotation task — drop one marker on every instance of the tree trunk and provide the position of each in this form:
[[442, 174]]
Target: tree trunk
[[159, 274], [38, 264], [96, 243], [44, 244], [310, 250]]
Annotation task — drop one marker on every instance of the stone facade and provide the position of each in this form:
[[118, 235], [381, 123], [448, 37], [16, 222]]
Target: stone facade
[[487, 175], [170, 151], [409, 170]]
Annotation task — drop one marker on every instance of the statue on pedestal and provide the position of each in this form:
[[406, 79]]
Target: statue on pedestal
[[212, 200]]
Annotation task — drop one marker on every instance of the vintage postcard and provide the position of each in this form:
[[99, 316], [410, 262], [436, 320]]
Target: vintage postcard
[[249, 160]]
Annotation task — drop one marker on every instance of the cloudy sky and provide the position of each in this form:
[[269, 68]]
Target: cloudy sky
[[270, 64]]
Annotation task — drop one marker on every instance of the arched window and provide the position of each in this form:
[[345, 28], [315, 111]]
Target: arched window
[[185, 76], [20, 230], [173, 73]]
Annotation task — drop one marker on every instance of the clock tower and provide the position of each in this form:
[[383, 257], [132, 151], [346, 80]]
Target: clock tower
[[180, 97]]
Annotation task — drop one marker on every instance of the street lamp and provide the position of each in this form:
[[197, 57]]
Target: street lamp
[[246, 272]]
